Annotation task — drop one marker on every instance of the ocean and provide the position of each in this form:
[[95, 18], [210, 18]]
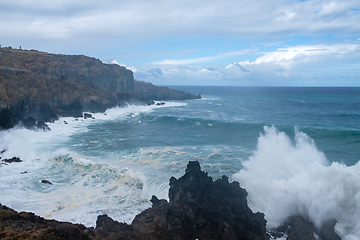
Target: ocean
[[295, 150]]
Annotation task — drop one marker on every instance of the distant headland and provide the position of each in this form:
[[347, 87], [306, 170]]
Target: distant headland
[[41, 87]]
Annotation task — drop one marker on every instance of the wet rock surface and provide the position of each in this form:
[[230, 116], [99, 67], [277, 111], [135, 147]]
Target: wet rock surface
[[201, 208], [198, 208], [9, 160]]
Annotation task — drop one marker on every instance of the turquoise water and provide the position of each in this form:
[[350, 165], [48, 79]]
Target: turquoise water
[[295, 150], [235, 116]]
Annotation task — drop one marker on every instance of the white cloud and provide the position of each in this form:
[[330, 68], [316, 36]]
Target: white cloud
[[305, 53], [185, 61], [201, 59], [113, 29], [132, 68], [304, 65], [154, 72], [301, 65], [177, 18]]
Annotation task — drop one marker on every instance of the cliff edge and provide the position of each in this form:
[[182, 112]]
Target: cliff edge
[[45, 86]]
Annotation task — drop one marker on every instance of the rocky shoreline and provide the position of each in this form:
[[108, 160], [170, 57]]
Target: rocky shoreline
[[198, 208], [38, 87], [41, 86]]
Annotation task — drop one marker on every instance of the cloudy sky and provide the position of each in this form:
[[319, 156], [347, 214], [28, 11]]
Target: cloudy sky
[[199, 42]]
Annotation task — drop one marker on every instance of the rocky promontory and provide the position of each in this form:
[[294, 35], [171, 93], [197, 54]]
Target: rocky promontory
[[198, 208], [46, 86]]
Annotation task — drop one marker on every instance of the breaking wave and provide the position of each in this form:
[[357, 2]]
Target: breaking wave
[[286, 177]]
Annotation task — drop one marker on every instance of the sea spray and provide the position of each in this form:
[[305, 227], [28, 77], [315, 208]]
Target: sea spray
[[83, 186], [285, 178]]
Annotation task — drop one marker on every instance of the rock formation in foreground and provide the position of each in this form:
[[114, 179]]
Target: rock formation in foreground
[[198, 208], [46, 86]]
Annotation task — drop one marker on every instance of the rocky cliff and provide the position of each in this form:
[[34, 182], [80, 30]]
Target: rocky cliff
[[45, 86]]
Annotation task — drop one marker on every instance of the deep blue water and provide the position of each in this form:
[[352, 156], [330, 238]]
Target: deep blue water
[[234, 116], [330, 116]]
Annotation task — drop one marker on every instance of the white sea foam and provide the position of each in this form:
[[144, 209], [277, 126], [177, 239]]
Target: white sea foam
[[83, 186], [210, 98], [285, 177], [28, 144]]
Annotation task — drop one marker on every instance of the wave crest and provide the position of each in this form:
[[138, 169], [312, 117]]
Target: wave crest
[[285, 178]]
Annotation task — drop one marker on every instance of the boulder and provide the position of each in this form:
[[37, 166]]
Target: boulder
[[46, 182], [43, 126], [12, 160], [87, 115]]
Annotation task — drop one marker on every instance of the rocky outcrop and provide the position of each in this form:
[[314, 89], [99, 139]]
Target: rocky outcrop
[[198, 208], [45, 86], [203, 209], [147, 91], [9, 160], [23, 225]]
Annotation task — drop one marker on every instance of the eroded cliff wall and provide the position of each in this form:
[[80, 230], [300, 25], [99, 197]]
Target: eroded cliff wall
[[45, 86]]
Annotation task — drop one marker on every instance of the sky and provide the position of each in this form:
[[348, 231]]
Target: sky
[[198, 42]]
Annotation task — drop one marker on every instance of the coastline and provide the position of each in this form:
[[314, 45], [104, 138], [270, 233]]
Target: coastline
[[29, 117], [198, 208], [38, 87]]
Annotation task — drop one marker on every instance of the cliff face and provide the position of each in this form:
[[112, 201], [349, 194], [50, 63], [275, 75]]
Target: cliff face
[[45, 86], [67, 69]]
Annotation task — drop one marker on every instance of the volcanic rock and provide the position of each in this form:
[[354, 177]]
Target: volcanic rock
[[11, 160], [30, 123], [198, 208], [203, 209], [25, 225], [87, 115], [46, 182]]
